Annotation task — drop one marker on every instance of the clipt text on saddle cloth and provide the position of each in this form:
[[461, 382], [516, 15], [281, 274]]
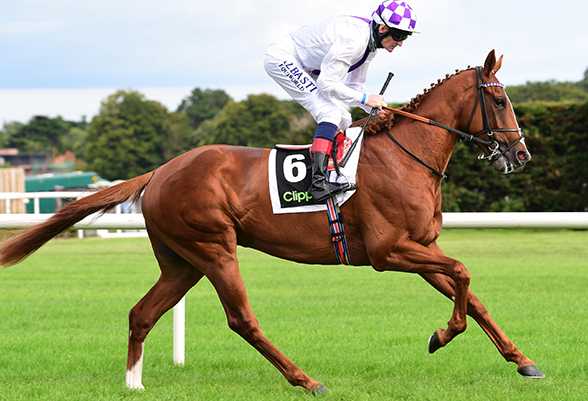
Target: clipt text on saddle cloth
[[348, 174]]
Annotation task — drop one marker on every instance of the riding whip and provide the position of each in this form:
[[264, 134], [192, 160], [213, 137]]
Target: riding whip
[[360, 136]]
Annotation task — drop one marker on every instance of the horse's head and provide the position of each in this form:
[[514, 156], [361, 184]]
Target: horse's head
[[490, 118]]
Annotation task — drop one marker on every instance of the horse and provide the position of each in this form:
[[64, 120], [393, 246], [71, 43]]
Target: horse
[[201, 205]]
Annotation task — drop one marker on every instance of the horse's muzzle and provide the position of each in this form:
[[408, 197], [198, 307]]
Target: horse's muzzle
[[512, 161]]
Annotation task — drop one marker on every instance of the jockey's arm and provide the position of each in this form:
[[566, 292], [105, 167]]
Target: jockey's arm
[[331, 83], [356, 80]]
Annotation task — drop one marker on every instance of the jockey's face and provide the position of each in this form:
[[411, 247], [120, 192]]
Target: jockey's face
[[388, 42]]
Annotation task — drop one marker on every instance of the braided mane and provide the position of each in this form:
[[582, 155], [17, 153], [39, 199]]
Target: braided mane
[[377, 124]]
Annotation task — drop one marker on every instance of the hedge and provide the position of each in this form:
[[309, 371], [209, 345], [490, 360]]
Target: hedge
[[555, 180]]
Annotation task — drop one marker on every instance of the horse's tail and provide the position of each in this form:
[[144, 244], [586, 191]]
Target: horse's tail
[[25, 242]]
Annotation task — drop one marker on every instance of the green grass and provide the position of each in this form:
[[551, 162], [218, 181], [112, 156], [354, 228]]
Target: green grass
[[63, 325]]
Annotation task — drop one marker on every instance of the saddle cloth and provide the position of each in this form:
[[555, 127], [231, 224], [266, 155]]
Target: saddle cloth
[[290, 170]]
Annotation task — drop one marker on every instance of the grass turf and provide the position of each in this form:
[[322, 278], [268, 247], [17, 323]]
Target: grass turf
[[63, 325]]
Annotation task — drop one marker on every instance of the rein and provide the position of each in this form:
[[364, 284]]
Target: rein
[[495, 154], [437, 173]]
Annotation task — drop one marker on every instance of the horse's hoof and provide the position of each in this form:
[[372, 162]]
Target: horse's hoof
[[434, 343], [320, 390], [531, 371]]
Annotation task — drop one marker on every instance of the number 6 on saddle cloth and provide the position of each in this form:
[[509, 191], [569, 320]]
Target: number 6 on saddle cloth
[[289, 170]]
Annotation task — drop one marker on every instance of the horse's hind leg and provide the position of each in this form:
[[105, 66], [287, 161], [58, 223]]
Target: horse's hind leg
[[177, 277], [478, 312], [231, 290]]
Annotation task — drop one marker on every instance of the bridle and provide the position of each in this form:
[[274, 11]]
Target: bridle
[[493, 146], [495, 152]]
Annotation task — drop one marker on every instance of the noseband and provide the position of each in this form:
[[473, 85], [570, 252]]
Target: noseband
[[491, 143]]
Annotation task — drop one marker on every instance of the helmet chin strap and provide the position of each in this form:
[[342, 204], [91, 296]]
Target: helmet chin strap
[[377, 36]]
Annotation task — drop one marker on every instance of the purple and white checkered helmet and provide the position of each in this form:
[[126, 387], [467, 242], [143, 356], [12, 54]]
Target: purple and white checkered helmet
[[396, 14]]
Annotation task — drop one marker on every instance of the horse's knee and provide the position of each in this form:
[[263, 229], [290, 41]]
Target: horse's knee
[[461, 275]]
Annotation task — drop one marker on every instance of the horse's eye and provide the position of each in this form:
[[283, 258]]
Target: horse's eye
[[500, 102]]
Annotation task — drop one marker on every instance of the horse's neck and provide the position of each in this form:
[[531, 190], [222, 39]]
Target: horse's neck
[[434, 145], [435, 140]]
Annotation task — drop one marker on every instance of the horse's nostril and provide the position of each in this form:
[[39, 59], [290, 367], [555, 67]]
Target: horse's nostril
[[522, 155]]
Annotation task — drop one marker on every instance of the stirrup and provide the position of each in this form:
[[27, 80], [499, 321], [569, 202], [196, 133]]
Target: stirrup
[[330, 191]]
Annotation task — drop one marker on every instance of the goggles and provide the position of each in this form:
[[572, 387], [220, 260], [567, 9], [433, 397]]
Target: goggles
[[397, 34]]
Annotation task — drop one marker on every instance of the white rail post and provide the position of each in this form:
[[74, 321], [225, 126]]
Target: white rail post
[[180, 332], [80, 232]]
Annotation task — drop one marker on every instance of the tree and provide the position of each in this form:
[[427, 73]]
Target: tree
[[9, 131], [41, 134], [203, 105], [44, 134], [126, 138], [260, 121], [75, 140], [179, 136], [551, 91], [583, 84]]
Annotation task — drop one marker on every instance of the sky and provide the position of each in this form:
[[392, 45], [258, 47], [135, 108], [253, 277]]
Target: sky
[[64, 57]]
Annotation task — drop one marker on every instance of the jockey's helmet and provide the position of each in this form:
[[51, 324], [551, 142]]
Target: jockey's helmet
[[396, 14]]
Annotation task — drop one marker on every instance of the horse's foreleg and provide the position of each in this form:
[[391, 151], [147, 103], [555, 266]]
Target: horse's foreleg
[[412, 257], [478, 312], [231, 290], [176, 279]]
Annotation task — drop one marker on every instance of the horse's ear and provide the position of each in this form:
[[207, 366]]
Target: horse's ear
[[489, 63], [497, 65]]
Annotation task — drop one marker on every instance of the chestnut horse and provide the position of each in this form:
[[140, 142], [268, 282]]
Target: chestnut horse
[[202, 204]]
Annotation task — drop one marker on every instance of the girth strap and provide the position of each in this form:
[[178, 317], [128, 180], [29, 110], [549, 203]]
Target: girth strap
[[337, 232]]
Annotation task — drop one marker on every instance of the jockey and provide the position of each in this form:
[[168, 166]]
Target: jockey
[[312, 63]]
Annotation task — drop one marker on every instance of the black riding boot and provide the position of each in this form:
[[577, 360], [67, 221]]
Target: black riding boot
[[321, 189]]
